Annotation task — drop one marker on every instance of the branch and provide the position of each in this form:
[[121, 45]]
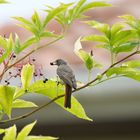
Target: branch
[[29, 53], [43, 46], [58, 97], [103, 73], [32, 112], [107, 79]]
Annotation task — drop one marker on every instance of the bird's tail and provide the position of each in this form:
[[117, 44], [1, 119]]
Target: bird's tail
[[67, 102]]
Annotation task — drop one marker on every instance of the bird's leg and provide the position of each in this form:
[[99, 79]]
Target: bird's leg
[[57, 85], [59, 81]]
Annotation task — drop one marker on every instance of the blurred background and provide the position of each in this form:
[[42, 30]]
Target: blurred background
[[114, 105]]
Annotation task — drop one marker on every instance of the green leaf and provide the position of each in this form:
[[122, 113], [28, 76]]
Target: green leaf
[[10, 43], [104, 28], [19, 92], [84, 56], [6, 98], [74, 13], [63, 17], [4, 56], [135, 75], [24, 21], [128, 17], [127, 72], [48, 34], [18, 103], [97, 38], [28, 25], [8, 50], [3, 43], [117, 71], [50, 90], [122, 37], [26, 75], [105, 46], [81, 7], [52, 13], [130, 20], [40, 138], [97, 65], [36, 20], [10, 133], [99, 76], [93, 5], [87, 59], [17, 45], [132, 64], [2, 131], [25, 131], [133, 23], [3, 1], [116, 28], [1, 113], [78, 6], [28, 42], [126, 47]]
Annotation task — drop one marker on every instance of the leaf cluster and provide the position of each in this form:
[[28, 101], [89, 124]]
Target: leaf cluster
[[118, 39], [11, 133]]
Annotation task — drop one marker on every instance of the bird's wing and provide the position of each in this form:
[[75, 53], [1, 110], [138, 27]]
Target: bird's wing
[[65, 73]]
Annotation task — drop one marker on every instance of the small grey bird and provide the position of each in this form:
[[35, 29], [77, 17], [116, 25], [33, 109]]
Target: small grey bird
[[66, 74]]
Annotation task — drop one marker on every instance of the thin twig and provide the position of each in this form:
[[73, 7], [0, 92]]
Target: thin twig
[[29, 53], [104, 80], [103, 73], [58, 97], [32, 112]]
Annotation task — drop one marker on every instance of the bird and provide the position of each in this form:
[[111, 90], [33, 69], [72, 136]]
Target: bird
[[66, 74]]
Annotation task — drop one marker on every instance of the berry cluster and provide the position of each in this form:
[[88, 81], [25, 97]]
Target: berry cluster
[[16, 71]]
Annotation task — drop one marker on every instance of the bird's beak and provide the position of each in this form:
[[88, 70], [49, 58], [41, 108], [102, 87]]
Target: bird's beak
[[53, 63]]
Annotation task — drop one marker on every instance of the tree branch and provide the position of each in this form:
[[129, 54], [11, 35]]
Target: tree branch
[[29, 53], [103, 73], [32, 112], [58, 97]]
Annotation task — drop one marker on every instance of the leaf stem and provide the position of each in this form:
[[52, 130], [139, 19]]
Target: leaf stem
[[138, 45], [89, 74], [112, 58]]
